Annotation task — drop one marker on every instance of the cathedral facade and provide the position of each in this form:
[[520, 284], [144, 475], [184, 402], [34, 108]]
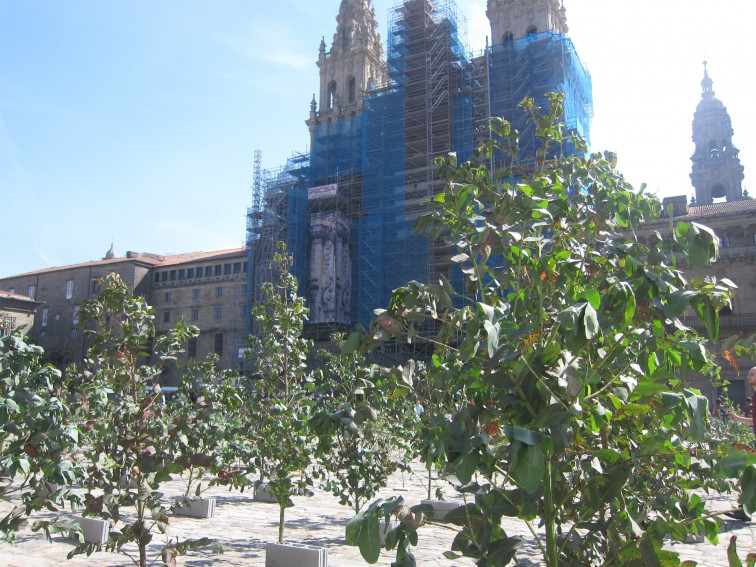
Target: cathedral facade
[[347, 209]]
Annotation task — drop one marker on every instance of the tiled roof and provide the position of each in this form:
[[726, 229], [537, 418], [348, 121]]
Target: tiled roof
[[746, 206], [730, 207], [154, 260], [9, 295], [200, 256]]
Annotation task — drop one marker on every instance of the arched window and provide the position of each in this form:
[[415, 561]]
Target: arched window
[[718, 192], [508, 36], [331, 94], [352, 89], [532, 30]]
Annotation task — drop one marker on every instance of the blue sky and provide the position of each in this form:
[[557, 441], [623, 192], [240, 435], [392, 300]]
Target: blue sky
[[136, 121]]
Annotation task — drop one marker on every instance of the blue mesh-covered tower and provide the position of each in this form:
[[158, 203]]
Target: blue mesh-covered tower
[[531, 56], [379, 123]]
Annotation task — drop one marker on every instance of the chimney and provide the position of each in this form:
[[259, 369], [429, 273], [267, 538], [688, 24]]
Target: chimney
[[679, 205]]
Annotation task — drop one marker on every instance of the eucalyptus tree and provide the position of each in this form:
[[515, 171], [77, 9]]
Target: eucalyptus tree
[[279, 402], [568, 344]]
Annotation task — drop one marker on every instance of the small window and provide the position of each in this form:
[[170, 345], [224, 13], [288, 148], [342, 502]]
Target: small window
[[195, 294], [32, 291], [182, 274], [227, 269], [195, 314], [166, 316], [75, 334], [191, 347], [218, 291], [42, 336], [331, 95], [219, 344], [45, 311], [57, 316], [157, 277], [173, 275], [167, 295], [245, 267], [237, 267], [208, 271], [69, 289], [219, 270], [724, 241], [164, 277], [754, 238], [95, 287], [219, 313], [190, 274], [76, 314]]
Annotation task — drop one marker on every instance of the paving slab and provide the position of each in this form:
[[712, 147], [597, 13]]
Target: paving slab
[[243, 526]]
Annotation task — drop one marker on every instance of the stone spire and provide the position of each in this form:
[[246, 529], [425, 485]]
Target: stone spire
[[706, 83], [717, 172], [354, 64], [357, 27], [110, 254], [514, 19]]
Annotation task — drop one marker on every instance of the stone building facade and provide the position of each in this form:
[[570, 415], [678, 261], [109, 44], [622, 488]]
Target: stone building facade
[[515, 19], [721, 204], [377, 123], [16, 312], [206, 289]]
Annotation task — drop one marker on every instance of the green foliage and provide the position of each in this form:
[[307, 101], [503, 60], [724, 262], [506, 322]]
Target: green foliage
[[364, 529], [38, 444], [732, 555], [204, 414], [357, 440], [568, 346], [280, 403], [127, 429], [437, 388]]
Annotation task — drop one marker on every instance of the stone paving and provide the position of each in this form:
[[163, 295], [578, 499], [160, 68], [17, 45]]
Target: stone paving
[[242, 526]]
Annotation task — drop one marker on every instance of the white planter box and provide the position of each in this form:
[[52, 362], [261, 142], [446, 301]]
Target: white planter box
[[384, 529], [294, 555], [264, 494], [95, 530], [194, 507], [440, 508]]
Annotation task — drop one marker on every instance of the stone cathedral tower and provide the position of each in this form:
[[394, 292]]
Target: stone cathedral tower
[[354, 64], [514, 19], [352, 67], [717, 173]]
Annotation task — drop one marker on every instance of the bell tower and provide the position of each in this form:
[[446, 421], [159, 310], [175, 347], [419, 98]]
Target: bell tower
[[717, 172], [514, 19], [354, 63]]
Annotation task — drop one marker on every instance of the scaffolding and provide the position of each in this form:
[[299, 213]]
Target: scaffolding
[[533, 66], [254, 225], [427, 113], [273, 218], [378, 156]]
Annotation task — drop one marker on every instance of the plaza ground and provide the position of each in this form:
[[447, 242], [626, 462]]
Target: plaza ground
[[242, 527]]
